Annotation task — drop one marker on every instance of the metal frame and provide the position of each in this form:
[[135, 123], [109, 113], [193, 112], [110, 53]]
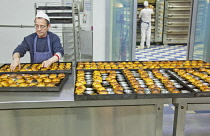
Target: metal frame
[[191, 33], [184, 104], [133, 49], [158, 23], [107, 31], [76, 33]]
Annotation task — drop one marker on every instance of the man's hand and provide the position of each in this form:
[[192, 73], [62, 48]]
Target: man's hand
[[16, 61], [14, 64], [49, 62], [46, 63]]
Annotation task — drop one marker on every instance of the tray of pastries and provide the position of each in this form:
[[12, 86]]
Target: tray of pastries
[[197, 79], [109, 65], [142, 64], [58, 67], [156, 83], [32, 82], [173, 64], [102, 85]]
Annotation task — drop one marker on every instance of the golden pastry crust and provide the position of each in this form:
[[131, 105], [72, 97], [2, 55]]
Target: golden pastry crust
[[61, 75], [50, 85], [118, 91], [32, 84], [42, 76], [27, 76], [47, 80], [23, 85], [79, 90], [13, 85], [155, 91], [55, 80], [103, 92], [5, 83], [4, 76], [20, 80], [35, 76], [41, 85], [52, 76], [39, 80]]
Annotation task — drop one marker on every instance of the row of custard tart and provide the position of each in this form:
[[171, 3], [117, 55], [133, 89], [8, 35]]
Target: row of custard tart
[[108, 65], [149, 82], [98, 83], [195, 77], [30, 80], [37, 67], [143, 64]]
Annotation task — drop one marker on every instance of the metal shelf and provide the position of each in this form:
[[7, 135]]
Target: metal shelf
[[176, 22], [179, 7], [66, 15], [54, 8]]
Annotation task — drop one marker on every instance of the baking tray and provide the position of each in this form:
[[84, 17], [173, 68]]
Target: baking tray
[[145, 64], [166, 95], [156, 64], [57, 88], [199, 94], [31, 72], [103, 96], [103, 62]]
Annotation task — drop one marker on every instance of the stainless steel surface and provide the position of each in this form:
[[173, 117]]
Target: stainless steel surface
[[134, 29], [192, 33], [86, 45], [196, 125], [182, 105], [57, 113], [85, 121]]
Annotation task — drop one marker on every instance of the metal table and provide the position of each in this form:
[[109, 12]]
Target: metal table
[[184, 104], [56, 113]]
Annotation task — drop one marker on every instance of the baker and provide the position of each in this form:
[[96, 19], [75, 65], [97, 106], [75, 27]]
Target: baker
[[145, 16], [44, 46]]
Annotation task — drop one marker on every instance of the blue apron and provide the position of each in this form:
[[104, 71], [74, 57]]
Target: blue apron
[[39, 57]]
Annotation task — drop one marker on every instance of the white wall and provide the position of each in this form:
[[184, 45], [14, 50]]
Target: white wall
[[99, 30], [15, 13], [22, 12], [19, 12]]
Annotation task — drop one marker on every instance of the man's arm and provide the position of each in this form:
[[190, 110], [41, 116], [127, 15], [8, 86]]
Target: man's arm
[[57, 49], [16, 61]]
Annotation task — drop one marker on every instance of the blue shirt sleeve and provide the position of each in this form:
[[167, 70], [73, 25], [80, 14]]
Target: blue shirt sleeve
[[56, 44], [23, 47]]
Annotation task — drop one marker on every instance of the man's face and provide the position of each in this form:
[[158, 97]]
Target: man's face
[[41, 27]]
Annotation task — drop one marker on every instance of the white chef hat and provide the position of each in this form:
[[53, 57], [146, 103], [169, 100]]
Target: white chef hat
[[146, 3], [42, 15]]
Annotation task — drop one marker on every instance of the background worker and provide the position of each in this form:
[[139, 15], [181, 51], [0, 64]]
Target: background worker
[[44, 46], [145, 16]]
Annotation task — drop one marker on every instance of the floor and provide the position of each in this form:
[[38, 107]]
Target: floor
[[197, 122], [161, 52]]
